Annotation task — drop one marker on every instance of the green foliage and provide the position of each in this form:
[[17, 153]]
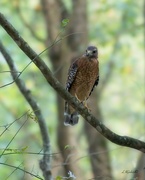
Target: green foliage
[[15, 151], [67, 147], [59, 178], [32, 116], [64, 22]]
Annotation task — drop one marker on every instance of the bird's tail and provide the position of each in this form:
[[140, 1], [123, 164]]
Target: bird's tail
[[70, 119]]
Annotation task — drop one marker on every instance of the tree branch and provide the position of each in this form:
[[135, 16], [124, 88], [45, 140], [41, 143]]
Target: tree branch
[[101, 128], [25, 171], [45, 162]]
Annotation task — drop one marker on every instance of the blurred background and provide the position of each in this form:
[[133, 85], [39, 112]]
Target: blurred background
[[116, 28]]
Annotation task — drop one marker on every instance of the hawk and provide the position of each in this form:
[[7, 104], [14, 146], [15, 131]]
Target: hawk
[[83, 76]]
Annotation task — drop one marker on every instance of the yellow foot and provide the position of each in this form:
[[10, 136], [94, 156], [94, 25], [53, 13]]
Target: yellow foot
[[77, 97], [85, 104]]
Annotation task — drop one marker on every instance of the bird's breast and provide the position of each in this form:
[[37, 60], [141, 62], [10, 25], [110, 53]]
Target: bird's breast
[[88, 71], [85, 78]]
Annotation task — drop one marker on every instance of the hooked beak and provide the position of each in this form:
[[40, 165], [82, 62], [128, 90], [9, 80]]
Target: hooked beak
[[88, 53]]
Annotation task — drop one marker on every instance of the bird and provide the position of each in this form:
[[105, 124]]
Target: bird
[[83, 76]]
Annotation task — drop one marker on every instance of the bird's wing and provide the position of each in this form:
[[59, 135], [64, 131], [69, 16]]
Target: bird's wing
[[71, 75], [95, 84]]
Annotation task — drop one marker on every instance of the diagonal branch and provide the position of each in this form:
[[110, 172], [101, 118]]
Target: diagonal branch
[[101, 128], [45, 162], [18, 168]]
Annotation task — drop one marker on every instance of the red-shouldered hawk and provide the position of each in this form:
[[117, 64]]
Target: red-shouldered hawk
[[83, 76]]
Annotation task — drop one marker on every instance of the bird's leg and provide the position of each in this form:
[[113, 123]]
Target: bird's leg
[[85, 104], [77, 97]]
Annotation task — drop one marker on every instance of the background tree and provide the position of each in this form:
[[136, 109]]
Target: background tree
[[54, 13]]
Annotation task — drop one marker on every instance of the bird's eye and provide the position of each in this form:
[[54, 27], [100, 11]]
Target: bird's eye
[[94, 51]]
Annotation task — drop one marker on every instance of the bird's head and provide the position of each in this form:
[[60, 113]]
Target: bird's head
[[92, 52]]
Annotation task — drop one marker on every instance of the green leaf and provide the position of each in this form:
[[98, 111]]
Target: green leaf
[[64, 22], [24, 148], [68, 147], [17, 151], [58, 178]]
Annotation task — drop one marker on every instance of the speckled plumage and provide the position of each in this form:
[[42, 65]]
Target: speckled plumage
[[83, 76]]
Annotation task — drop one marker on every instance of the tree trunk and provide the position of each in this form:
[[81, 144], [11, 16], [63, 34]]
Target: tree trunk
[[61, 56], [98, 150]]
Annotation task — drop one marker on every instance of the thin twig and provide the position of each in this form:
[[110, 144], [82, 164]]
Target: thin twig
[[29, 153], [8, 126], [45, 162], [13, 137], [25, 171], [54, 43], [13, 171]]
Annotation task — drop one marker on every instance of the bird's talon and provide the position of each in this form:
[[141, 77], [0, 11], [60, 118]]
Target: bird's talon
[[85, 104], [77, 97]]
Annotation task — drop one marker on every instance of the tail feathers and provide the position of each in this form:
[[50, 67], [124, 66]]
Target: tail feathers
[[71, 119]]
